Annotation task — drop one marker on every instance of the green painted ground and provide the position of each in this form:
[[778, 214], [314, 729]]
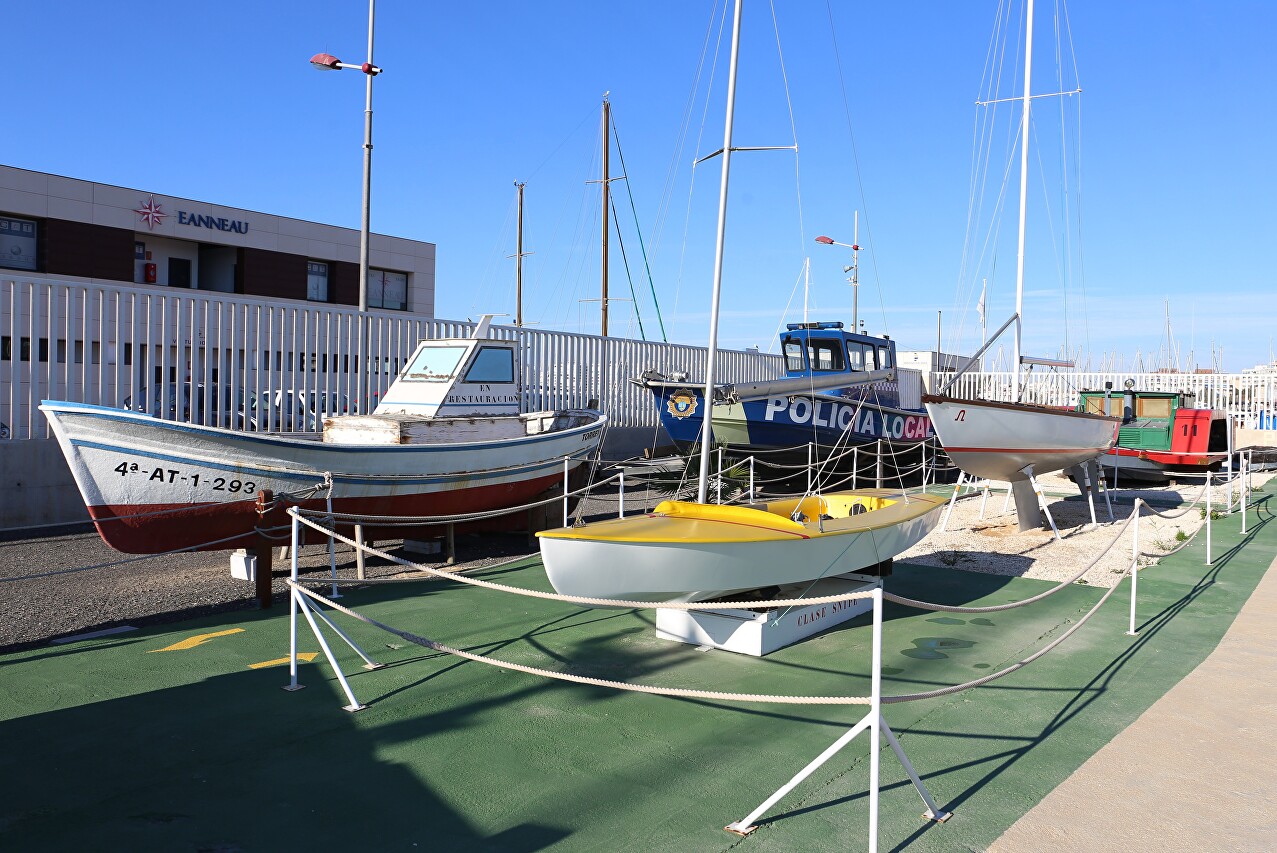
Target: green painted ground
[[113, 744]]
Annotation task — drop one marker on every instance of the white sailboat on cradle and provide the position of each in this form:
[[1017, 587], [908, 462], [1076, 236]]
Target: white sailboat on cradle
[[693, 551], [1014, 442]]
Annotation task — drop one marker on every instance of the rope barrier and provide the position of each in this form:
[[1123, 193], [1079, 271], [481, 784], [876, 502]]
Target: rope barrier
[[413, 521], [744, 697], [624, 604], [682, 692]]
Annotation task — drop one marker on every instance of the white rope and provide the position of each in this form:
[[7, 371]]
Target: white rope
[[682, 692], [578, 599]]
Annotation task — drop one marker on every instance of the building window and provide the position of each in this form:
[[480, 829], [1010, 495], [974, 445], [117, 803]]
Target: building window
[[387, 290], [18, 243], [316, 281]]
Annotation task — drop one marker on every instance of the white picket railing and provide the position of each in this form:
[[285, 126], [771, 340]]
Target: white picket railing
[[1250, 398], [255, 364]]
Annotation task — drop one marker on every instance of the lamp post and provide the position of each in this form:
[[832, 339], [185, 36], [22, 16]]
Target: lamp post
[[854, 269], [327, 62]]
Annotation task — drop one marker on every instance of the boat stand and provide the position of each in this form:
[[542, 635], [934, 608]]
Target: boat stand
[[963, 482], [1028, 496]]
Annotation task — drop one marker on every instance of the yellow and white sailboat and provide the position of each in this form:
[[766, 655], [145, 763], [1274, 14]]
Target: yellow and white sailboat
[[693, 551], [688, 551]]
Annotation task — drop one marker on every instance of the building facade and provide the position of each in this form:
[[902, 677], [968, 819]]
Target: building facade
[[64, 228]]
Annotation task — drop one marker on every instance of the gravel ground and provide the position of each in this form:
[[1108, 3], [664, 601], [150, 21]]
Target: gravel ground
[[995, 545], [38, 606]]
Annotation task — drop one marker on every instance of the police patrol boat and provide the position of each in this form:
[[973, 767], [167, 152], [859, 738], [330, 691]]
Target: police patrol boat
[[840, 388]]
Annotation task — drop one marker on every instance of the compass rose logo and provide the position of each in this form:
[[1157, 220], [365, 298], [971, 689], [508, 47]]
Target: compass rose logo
[[150, 213]]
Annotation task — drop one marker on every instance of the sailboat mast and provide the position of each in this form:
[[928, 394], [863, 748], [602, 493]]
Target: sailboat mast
[[518, 263], [711, 355], [607, 139], [1024, 191]]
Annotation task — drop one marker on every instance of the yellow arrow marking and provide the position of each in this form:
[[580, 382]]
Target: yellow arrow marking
[[197, 640], [306, 656]]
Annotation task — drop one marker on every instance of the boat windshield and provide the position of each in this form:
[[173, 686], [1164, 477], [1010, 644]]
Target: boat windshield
[[794, 362], [826, 355], [434, 364]]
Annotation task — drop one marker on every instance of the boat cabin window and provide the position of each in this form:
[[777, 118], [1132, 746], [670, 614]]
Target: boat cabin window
[[853, 355], [1153, 407], [492, 365], [884, 357], [434, 364], [870, 362], [1095, 405], [794, 356], [825, 354]]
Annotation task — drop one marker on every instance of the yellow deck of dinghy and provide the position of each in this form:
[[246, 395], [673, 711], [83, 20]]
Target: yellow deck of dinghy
[[687, 521]]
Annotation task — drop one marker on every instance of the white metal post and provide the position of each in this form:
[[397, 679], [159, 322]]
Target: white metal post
[[751, 479], [565, 491], [718, 486], [878, 466], [1242, 492], [360, 568], [292, 608], [621, 513], [875, 711], [1135, 562], [953, 498], [332, 660], [1210, 478], [332, 543], [809, 467], [855, 464]]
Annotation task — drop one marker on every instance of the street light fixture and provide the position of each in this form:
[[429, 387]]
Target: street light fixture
[[328, 62], [854, 269]]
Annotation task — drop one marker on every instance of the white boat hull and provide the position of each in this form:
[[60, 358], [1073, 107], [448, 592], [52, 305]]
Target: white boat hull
[[153, 485], [685, 570], [1010, 441]]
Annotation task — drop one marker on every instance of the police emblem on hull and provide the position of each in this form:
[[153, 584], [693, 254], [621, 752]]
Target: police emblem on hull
[[682, 403]]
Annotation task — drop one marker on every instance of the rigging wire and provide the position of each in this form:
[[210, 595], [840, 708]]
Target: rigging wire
[[647, 267], [691, 187], [625, 260]]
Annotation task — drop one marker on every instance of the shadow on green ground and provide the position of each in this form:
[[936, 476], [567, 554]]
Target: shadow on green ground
[[111, 746]]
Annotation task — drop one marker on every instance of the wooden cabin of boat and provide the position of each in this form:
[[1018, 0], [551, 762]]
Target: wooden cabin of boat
[[1163, 433]]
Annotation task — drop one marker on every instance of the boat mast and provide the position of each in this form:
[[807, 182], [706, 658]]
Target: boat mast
[[1024, 193], [518, 263], [607, 139], [711, 355]]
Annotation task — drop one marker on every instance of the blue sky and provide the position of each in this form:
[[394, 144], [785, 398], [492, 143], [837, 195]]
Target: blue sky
[[1178, 128]]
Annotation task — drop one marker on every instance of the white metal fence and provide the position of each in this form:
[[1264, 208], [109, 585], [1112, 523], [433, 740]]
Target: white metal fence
[[1248, 397], [250, 363]]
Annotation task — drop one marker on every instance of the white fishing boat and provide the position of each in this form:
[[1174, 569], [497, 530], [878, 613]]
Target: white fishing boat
[[446, 439], [1014, 442], [695, 550]]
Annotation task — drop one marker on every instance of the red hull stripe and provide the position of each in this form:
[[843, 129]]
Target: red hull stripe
[[189, 526], [1096, 450]]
